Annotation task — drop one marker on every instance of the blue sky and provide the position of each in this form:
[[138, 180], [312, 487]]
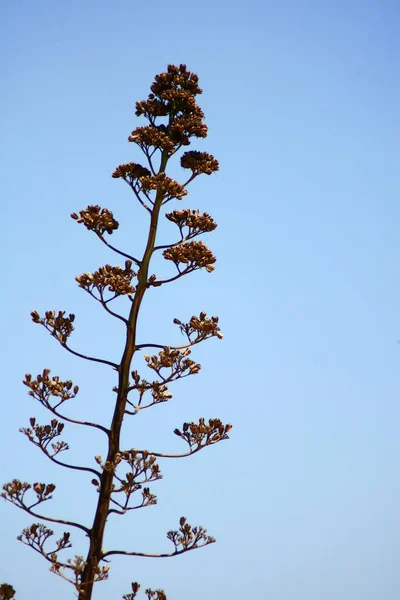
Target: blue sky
[[301, 99]]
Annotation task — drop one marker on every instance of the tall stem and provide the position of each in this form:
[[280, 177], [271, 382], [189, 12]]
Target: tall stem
[[95, 553]]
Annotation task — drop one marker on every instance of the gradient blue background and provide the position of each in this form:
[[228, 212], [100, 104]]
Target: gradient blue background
[[301, 99]]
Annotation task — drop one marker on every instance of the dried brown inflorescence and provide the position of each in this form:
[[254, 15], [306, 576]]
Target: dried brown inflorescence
[[59, 326], [122, 479], [115, 279], [199, 162], [96, 219], [196, 223], [195, 255]]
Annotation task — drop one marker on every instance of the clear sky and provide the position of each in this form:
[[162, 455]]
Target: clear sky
[[301, 99]]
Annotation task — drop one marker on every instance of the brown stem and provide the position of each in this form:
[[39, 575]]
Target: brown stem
[[95, 553]]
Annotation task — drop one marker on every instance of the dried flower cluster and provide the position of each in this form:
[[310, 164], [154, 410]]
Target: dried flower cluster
[[143, 469], [116, 279], [195, 222], [151, 594], [130, 172], [96, 219], [122, 479], [203, 434], [176, 360], [173, 94], [7, 591], [59, 326], [201, 326], [15, 492], [195, 255], [188, 537], [199, 162], [166, 187], [43, 435], [44, 386]]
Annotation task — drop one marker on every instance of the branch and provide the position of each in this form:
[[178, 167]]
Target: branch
[[186, 538], [76, 467], [159, 455], [51, 520], [111, 312], [132, 258], [144, 554], [180, 274], [148, 156], [138, 197], [15, 491], [91, 358], [75, 421], [162, 346]]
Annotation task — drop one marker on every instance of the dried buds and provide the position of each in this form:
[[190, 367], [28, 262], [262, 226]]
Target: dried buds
[[197, 223], [176, 78], [96, 219], [130, 172], [201, 326], [15, 492], [199, 162], [176, 360], [155, 595], [166, 187], [44, 387], [7, 592], [195, 255], [116, 279], [173, 96], [188, 537], [152, 136], [202, 434], [135, 588], [59, 326], [42, 435]]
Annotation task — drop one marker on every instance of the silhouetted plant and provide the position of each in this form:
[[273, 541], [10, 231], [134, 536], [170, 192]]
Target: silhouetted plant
[[122, 478]]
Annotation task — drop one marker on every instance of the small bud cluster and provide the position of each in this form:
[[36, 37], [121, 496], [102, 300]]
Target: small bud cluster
[[59, 326], [202, 434], [166, 187], [151, 594], [195, 255], [7, 592], [152, 136], [42, 435], [159, 390], [44, 386], [96, 219], [199, 162], [15, 491], [196, 222], [188, 537], [143, 469], [116, 279], [201, 326], [176, 360], [130, 172]]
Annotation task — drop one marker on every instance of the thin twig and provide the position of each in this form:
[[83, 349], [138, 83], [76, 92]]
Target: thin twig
[[180, 274], [132, 258], [91, 358], [52, 520], [126, 553], [138, 196], [111, 312], [75, 421], [76, 467]]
